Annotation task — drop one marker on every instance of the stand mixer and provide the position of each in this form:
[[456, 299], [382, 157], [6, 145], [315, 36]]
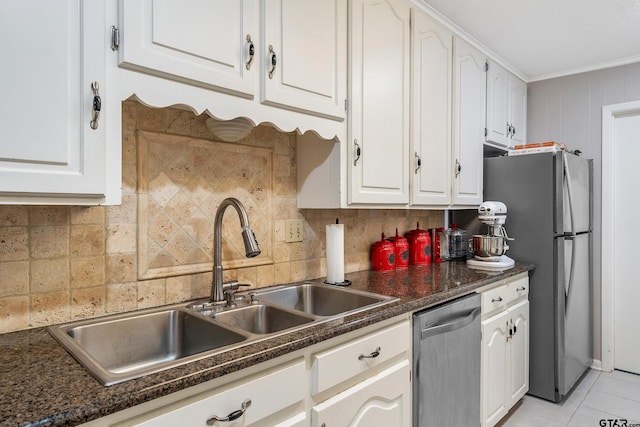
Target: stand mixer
[[489, 249]]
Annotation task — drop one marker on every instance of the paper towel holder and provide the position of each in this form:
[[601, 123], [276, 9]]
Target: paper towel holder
[[335, 246]]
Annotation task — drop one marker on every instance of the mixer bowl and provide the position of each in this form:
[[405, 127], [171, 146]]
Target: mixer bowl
[[487, 246]]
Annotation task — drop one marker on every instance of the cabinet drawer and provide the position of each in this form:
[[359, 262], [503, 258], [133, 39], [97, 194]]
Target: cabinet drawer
[[340, 363], [267, 393], [495, 299], [518, 288]]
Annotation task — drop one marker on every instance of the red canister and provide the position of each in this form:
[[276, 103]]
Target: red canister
[[383, 255], [401, 249], [419, 246], [435, 234]]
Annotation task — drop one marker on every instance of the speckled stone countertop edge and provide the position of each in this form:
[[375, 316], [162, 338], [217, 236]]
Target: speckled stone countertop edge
[[42, 385]]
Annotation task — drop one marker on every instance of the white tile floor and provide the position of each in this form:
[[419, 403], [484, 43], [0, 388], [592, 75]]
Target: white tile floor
[[599, 396]]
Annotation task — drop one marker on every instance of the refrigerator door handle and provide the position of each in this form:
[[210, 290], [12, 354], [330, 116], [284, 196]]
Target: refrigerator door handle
[[567, 293], [573, 230], [569, 191]]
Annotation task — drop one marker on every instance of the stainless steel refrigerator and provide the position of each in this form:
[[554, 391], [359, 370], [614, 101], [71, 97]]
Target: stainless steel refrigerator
[[549, 213]]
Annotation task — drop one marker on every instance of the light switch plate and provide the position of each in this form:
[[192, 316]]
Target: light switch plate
[[294, 230]]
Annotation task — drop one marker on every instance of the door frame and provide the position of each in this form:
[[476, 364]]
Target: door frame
[[609, 115]]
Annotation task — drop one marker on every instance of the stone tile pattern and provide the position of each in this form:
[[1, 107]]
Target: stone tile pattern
[[181, 182], [60, 263]]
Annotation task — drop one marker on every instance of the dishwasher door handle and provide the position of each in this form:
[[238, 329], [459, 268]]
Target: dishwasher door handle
[[458, 323]]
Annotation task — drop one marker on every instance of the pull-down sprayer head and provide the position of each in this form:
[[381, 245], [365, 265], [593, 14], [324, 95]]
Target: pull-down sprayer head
[[251, 247]]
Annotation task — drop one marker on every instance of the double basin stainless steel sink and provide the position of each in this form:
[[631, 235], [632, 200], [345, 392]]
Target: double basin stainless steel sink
[[126, 346]]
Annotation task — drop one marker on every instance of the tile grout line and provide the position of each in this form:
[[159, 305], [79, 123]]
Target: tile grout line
[[591, 389], [579, 405]]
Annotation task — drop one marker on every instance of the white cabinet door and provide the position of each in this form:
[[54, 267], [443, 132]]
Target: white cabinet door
[[506, 107], [307, 41], [518, 111], [432, 58], [498, 125], [494, 368], [200, 42], [380, 401], [518, 377], [52, 51], [469, 104], [378, 143]]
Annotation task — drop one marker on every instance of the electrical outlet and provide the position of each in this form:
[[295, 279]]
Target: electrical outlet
[[294, 230]]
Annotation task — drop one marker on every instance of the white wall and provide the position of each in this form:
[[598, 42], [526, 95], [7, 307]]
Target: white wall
[[569, 110]]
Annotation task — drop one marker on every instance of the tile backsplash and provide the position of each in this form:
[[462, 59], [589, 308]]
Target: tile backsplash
[[181, 182], [61, 263]]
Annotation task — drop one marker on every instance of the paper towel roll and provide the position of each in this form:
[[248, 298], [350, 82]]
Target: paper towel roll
[[335, 253]]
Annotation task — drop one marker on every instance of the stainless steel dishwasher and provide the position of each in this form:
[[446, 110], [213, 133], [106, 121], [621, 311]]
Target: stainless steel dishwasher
[[446, 364]]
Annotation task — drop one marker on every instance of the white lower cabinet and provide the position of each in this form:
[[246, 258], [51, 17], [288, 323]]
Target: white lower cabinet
[[505, 348], [494, 368], [248, 402], [339, 364], [518, 378], [373, 389], [382, 400], [371, 376]]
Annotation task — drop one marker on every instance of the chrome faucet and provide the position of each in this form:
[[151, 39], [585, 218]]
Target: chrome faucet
[[250, 245]]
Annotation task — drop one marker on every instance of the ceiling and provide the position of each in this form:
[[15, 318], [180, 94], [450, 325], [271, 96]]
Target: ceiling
[[540, 39]]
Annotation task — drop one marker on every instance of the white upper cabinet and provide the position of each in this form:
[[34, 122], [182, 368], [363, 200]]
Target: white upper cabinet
[[518, 111], [276, 61], [506, 107], [416, 118], [432, 56], [53, 52], [378, 137], [202, 42], [469, 100], [447, 80], [305, 55], [498, 129]]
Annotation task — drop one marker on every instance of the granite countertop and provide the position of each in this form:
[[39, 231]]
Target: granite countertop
[[42, 385]]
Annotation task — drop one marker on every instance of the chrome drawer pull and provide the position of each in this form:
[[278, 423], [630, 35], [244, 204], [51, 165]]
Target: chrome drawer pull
[[357, 151], [499, 299], [372, 355], [96, 106], [274, 61], [252, 52], [232, 416]]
